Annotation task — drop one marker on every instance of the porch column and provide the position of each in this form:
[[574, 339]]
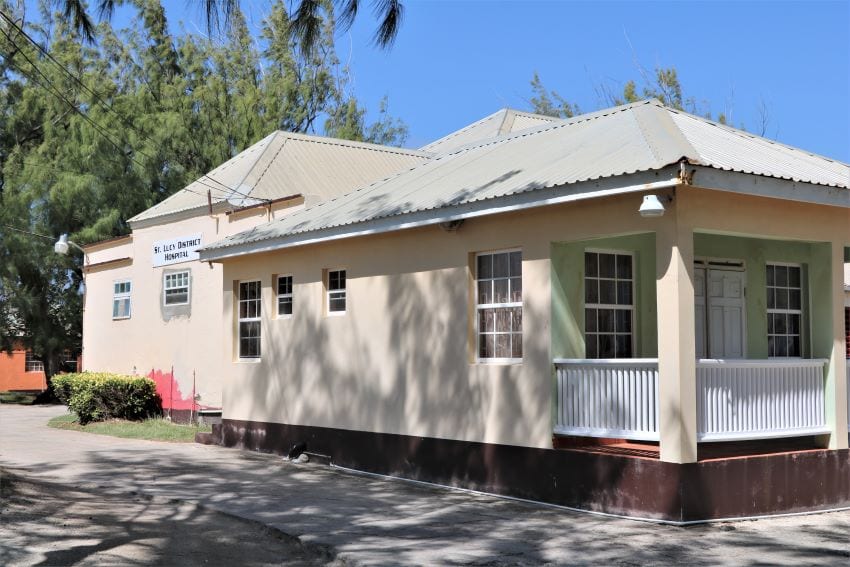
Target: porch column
[[828, 342], [674, 249]]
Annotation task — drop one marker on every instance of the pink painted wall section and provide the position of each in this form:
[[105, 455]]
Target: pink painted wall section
[[169, 390]]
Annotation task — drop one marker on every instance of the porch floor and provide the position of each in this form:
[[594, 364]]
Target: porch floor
[[705, 451]]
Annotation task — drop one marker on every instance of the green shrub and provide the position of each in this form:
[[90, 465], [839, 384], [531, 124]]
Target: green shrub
[[95, 396]]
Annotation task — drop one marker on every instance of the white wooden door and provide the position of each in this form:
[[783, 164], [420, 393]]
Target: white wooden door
[[725, 312], [719, 309]]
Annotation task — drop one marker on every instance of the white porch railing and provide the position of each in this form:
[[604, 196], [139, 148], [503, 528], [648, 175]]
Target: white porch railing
[[607, 398], [736, 399], [759, 399]]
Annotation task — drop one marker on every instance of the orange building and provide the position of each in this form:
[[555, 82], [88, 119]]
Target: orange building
[[21, 371]]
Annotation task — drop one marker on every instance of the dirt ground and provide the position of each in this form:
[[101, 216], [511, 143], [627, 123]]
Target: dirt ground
[[50, 524]]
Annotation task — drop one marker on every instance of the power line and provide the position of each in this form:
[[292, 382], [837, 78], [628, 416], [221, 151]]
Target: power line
[[10, 227], [227, 191]]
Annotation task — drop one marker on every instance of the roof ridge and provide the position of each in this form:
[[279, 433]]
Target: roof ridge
[[745, 134], [466, 128], [331, 141]]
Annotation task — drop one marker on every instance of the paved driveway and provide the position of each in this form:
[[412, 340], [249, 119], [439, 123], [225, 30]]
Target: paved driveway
[[387, 522]]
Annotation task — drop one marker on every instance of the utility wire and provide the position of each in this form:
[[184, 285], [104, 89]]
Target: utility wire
[[10, 227], [226, 192]]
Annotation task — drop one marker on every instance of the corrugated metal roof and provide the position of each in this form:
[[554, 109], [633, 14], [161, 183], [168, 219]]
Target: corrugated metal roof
[[638, 137], [504, 121], [285, 164]]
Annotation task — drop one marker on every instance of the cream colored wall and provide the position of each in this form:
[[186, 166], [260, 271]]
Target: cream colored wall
[[187, 339], [399, 361]]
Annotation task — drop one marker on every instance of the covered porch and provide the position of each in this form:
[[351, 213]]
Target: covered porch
[[709, 336]]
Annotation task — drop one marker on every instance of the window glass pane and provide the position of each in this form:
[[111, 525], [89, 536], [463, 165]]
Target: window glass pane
[[771, 349], [793, 324], [336, 303], [489, 345], [607, 266], [591, 290], [516, 345], [771, 327], [606, 346], [115, 303], [503, 346], [503, 321], [781, 275], [771, 298], [781, 298], [590, 316], [624, 321], [794, 276], [624, 293], [781, 346], [779, 326], [516, 290], [591, 262], [501, 267], [500, 290], [516, 264], [607, 292], [771, 280], [624, 267], [516, 319], [793, 346], [590, 346], [485, 292], [284, 306], [623, 346], [794, 301], [606, 320], [485, 266]]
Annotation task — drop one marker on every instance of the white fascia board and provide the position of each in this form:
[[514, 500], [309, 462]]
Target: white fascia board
[[182, 214], [772, 187], [664, 178]]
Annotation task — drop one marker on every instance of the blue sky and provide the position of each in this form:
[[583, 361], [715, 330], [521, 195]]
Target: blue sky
[[457, 61]]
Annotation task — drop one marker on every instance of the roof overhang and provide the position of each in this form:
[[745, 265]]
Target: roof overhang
[[667, 177], [165, 218]]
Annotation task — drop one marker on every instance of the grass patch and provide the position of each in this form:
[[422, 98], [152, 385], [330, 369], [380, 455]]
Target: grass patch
[[151, 429], [23, 398]]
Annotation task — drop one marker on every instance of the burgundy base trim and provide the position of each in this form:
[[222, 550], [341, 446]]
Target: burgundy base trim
[[724, 488]]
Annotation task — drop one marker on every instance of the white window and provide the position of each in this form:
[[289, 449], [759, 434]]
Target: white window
[[121, 299], [608, 304], [32, 364], [284, 296], [784, 310], [498, 279], [250, 312], [176, 288], [336, 291]]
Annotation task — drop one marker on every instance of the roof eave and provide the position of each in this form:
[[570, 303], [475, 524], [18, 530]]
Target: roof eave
[[630, 183]]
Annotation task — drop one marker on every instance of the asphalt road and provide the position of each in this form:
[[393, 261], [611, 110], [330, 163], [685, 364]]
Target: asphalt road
[[364, 520]]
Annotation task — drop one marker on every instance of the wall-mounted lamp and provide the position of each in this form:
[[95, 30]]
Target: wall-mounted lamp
[[653, 206]]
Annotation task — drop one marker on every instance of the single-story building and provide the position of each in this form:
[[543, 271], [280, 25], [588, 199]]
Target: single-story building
[[151, 308], [635, 311], [21, 371]]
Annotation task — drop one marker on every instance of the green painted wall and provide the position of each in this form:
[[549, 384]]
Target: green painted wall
[[756, 253], [568, 289], [568, 293]]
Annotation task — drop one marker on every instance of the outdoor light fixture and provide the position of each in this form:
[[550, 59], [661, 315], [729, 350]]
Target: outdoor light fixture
[[63, 245], [652, 206]]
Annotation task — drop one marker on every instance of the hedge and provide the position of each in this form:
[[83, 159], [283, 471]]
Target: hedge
[[95, 396]]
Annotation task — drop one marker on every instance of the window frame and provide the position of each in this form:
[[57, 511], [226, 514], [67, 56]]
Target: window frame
[[632, 307], [801, 334], [32, 364], [507, 305], [279, 296], [329, 292], [165, 288], [257, 319], [118, 296]]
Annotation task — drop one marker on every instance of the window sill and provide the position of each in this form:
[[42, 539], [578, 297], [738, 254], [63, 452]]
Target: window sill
[[498, 362], [248, 360]]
